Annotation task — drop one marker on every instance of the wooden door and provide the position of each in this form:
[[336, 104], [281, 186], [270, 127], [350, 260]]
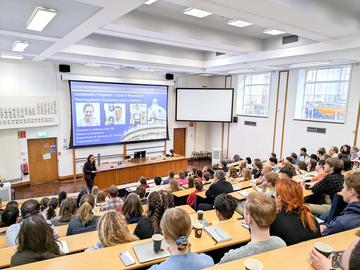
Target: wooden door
[[43, 164], [179, 141]]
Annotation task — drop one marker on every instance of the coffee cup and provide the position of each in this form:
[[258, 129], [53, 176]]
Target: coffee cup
[[253, 264], [198, 228], [157, 239], [200, 214], [324, 249]]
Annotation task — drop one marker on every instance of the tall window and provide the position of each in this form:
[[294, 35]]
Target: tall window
[[253, 94], [323, 94]]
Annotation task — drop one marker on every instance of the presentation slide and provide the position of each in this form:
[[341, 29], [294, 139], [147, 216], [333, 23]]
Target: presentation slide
[[110, 113]]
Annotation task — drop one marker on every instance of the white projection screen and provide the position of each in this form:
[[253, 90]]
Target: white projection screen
[[204, 104]]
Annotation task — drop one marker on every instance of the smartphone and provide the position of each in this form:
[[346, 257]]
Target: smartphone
[[126, 258]]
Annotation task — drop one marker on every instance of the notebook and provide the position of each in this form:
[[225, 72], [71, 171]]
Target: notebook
[[217, 233], [63, 246]]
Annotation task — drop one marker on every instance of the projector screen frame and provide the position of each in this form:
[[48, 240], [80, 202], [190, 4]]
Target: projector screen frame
[[208, 89], [71, 144]]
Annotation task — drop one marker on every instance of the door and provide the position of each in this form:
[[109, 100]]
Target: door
[[43, 164], [179, 141]]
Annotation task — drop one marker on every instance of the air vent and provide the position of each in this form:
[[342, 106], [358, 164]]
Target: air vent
[[219, 53], [250, 123], [316, 130], [290, 39]]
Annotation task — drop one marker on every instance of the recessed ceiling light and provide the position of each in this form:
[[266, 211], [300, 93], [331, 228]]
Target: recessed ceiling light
[[238, 23], [93, 65], [12, 56], [19, 46], [196, 12], [149, 2], [40, 19], [310, 64], [273, 32], [241, 71]]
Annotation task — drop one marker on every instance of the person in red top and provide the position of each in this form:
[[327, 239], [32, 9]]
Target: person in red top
[[143, 182], [191, 200]]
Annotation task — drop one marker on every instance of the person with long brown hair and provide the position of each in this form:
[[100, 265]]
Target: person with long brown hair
[[67, 212], [112, 231], [158, 202], [132, 209], [294, 222], [176, 227], [174, 186], [85, 220], [35, 242]]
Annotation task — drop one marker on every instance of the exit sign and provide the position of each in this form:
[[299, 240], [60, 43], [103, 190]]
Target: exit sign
[[42, 134]]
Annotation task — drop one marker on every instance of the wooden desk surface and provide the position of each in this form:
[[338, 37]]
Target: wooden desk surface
[[107, 258], [294, 257], [241, 185], [186, 192]]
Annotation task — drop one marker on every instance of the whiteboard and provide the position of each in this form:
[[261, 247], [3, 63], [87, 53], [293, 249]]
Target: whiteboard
[[10, 154], [204, 104]]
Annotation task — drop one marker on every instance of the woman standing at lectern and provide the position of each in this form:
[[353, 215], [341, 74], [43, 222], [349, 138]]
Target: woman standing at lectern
[[89, 171]]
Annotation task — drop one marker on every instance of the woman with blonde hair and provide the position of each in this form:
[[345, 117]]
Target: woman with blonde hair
[[233, 175], [246, 174], [112, 231], [174, 185], [176, 227], [294, 222], [95, 190], [85, 220]]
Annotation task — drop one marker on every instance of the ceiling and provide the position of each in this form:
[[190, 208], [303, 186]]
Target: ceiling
[[159, 36]]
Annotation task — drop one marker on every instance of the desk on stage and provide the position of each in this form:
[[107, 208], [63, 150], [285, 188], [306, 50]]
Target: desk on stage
[[129, 172]]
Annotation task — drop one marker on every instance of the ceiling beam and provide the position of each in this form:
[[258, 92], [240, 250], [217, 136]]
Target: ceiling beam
[[27, 36]]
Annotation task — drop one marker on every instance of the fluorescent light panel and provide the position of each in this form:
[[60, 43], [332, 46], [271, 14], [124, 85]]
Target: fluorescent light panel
[[310, 64], [149, 2], [12, 56], [196, 12], [19, 46], [40, 19], [238, 23], [273, 32]]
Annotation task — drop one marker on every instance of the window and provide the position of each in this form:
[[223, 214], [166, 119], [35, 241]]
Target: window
[[323, 93], [253, 95]]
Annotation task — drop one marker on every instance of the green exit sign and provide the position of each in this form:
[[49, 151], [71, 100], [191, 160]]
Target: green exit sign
[[42, 133]]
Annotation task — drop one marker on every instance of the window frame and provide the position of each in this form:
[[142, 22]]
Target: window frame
[[243, 95]]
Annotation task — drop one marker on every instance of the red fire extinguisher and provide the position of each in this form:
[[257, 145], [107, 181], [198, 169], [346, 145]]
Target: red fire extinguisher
[[25, 168]]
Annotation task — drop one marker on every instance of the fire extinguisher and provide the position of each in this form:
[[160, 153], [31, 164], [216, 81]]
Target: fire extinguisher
[[25, 168]]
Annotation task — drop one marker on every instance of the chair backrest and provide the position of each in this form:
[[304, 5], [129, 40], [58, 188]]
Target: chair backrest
[[337, 206]]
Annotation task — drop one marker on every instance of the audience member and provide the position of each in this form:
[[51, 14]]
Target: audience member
[[67, 212], [132, 209], [236, 158], [85, 220], [176, 227], [51, 211], [350, 217], [347, 166], [224, 166], [100, 198], [95, 190], [191, 199], [112, 231], [320, 152], [170, 177], [83, 192], [302, 166], [191, 181], [354, 153], [182, 180], [303, 154], [320, 171], [271, 180], [143, 182], [207, 177], [10, 216], [62, 196], [287, 172], [257, 168], [141, 192], [294, 158], [158, 202], [233, 175], [198, 175], [225, 206], [259, 214], [311, 164], [12, 203], [293, 215], [266, 168], [44, 204], [333, 152], [36, 242], [174, 186], [345, 150], [115, 202], [246, 174]]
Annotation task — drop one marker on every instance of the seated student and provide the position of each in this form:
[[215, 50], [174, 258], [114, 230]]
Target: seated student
[[51, 211], [320, 152], [182, 180], [266, 168], [302, 166], [314, 156], [132, 209], [209, 170], [257, 168], [158, 202], [320, 172], [81, 193], [62, 196], [44, 204], [171, 176], [174, 186], [348, 260], [198, 175], [330, 185], [246, 174], [271, 180], [225, 206], [207, 177], [333, 152], [141, 192], [36, 242], [12, 203], [85, 220], [347, 165], [100, 198], [259, 213], [112, 231], [294, 158], [236, 158], [350, 217], [143, 182], [354, 153], [303, 154], [10, 216], [294, 222], [224, 166], [219, 186], [115, 202], [158, 186], [191, 199], [176, 227], [233, 177], [95, 190], [67, 212], [345, 151], [287, 172], [28, 208]]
